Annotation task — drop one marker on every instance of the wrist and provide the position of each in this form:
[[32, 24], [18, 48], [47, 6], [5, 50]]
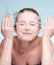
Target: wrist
[[8, 38], [45, 37], [8, 41]]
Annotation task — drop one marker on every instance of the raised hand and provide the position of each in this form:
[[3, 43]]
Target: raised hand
[[47, 46], [7, 26], [49, 27]]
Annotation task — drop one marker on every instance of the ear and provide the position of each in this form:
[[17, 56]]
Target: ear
[[40, 27], [15, 27]]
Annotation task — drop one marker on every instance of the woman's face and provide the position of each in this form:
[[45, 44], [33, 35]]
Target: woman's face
[[27, 26]]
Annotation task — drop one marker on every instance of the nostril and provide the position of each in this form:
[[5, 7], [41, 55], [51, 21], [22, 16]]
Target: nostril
[[27, 29]]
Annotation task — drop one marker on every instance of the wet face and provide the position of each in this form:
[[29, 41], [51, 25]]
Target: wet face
[[27, 26]]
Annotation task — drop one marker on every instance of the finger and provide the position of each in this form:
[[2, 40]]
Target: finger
[[8, 21], [51, 22], [47, 23], [0, 28], [3, 24], [6, 26]]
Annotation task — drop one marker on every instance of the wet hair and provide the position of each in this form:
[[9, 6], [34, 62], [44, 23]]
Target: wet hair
[[27, 9]]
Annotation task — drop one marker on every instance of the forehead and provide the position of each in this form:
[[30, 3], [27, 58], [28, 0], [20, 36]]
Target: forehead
[[27, 15]]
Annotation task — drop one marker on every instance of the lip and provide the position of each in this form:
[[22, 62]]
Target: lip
[[27, 33]]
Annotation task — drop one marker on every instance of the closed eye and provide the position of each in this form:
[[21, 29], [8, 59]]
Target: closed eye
[[32, 24], [21, 24]]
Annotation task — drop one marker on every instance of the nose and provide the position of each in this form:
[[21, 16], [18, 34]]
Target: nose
[[27, 28]]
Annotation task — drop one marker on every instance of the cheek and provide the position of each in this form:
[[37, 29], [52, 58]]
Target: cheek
[[35, 30], [19, 29]]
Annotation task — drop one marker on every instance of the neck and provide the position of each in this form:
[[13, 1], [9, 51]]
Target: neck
[[24, 44]]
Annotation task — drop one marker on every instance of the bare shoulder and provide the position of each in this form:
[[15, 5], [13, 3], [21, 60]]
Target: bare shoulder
[[39, 40], [1, 47], [39, 45], [15, 41], [2, 43]]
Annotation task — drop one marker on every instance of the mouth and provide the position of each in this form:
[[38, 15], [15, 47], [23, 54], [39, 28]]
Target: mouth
[[27, 33]]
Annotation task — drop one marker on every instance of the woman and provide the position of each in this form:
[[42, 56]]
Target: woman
[[25, 48]]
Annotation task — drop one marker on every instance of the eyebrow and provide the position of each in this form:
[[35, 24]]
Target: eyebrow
[[29, 22], [32, 21], [35, 22], [21, 22]]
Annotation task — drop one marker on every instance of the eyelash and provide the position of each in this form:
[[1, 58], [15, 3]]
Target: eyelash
[[33, 24], [21, 23]]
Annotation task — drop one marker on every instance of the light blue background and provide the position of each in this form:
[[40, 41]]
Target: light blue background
[[44, 7]]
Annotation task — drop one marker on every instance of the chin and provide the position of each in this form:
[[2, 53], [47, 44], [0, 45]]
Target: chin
[[27, 39]]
